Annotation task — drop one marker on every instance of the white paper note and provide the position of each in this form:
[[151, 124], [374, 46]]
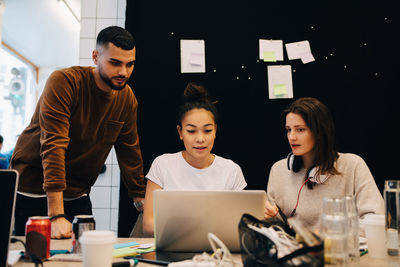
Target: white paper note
[[300, 50], [275, 46], [280, 83], [193, 56]]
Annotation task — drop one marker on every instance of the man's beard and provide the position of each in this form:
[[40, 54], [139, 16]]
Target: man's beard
[[109, 82]]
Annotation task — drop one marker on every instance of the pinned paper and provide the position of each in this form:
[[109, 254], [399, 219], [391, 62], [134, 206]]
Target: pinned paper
[[269, 46], [193, 56], [269, 56], [307, 58], [280, 81], [300, 50]]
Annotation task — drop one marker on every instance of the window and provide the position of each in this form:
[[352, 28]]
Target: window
[[17, 96]]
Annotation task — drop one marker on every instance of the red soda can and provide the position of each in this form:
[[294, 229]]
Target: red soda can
[[37, 237]]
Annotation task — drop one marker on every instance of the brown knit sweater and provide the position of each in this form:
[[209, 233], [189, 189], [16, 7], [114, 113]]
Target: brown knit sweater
[[72, 131]]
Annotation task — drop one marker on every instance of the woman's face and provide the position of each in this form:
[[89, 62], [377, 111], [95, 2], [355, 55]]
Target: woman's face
[[198, 133], [300, 137]]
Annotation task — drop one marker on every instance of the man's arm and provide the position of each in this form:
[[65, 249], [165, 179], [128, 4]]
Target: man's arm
[[128, 152], [60, 227]]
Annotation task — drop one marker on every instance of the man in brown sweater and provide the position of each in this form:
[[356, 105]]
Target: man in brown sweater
[[81, 114]]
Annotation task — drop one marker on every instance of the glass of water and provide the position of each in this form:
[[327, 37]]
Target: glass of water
[[353, 237], [335, 230]]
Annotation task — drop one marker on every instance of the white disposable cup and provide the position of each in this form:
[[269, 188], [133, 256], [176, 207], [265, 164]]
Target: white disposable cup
[[374, 225], [97, 248]]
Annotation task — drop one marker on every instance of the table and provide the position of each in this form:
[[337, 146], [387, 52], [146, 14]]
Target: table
[[67, 244], [365, 261]]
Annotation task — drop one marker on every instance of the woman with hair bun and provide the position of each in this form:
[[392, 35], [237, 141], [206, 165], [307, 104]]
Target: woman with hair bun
[[194, 168]]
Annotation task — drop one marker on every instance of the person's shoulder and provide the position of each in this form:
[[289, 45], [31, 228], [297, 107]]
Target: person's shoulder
[[280, 163], [74, 73], [350, 161], [167, 157], [224, 162], [350, 157], [127, 96]]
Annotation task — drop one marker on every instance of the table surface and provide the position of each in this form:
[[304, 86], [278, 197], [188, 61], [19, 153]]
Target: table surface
[[366, 260]]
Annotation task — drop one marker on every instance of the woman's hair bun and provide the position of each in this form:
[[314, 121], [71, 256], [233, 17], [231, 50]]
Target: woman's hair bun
[[195, 93]]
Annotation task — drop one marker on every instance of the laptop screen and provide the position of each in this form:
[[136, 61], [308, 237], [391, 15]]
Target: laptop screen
[[8, 180]]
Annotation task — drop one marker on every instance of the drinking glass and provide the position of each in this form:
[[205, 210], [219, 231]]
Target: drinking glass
[[335, 230], [391, 192], [353, 237]]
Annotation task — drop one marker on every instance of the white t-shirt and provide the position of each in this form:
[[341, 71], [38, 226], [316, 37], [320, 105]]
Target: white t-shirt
[[171, 171]]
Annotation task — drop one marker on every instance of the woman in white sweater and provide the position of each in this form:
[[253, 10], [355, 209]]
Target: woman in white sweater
[[314, 169]]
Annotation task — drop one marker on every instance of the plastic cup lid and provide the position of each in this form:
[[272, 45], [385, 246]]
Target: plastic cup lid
[[97, 237], [374, 219]]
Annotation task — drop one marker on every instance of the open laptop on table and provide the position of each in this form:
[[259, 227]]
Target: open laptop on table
[[182, 219], [8, 189]]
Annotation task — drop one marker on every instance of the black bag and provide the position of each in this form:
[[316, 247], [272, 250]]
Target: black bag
[[258, 250]]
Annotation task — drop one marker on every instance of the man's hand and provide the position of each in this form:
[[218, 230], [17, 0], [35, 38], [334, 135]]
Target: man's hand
[[138, 202], [61, 228]]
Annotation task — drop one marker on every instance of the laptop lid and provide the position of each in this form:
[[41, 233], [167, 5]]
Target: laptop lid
[[182, 219], [8, 189]]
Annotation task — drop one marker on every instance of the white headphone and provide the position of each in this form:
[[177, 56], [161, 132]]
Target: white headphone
[[295, 164]]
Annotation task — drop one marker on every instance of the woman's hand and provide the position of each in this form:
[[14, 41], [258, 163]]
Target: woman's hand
[[270, 210]]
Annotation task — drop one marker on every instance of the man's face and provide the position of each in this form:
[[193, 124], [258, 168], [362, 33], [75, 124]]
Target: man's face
[[115, 65]]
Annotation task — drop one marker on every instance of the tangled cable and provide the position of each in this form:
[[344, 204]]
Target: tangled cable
[[221, 257]]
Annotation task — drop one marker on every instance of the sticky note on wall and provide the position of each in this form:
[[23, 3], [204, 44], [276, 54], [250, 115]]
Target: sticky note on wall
[[269, 56], [279, 89]]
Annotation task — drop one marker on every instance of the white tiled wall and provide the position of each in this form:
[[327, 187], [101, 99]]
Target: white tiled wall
[[96, 15], [105, 196]]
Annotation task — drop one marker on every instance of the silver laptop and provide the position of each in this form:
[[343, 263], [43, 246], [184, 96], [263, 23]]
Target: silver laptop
[[182, 219], [8, 189]]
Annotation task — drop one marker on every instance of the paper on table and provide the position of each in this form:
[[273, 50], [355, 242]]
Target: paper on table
[[133, 251], [193, 56], [280, 81], [275, 46], [13, 257]]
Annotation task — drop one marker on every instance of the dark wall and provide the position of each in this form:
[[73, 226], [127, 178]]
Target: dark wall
[[353, 74]]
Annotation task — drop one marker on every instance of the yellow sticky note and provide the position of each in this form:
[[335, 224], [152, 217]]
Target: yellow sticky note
[[269, 56], [280, 89]]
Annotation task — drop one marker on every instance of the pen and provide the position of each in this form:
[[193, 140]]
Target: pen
[[128, 263], [157, 262], [283, 216]]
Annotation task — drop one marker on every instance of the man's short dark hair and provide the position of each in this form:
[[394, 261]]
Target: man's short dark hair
[[117, 36], [1, 139]]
